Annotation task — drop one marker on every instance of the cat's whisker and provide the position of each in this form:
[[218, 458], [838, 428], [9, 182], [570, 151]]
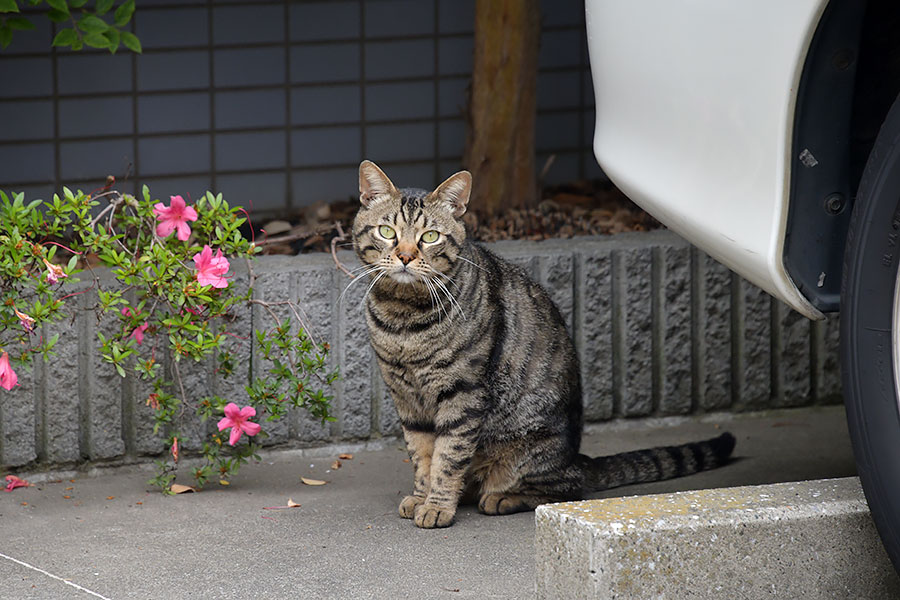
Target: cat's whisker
[[471, 263], [374, 281], [369, 270], [454, 303], [443, 309]]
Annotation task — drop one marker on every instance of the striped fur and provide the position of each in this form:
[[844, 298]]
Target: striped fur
[[480, 366]]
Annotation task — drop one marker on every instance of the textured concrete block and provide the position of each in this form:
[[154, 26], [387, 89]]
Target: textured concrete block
[[238, 341], [557, 275], [388, 421], [317, 292], [18, 421], [674, 314], [196, 380], [808, 540], [357, 360], [792, 357], [103, 401], [713, 327], [593, 332], [828, 360], [753, 377], [635, 321], [62, 411]]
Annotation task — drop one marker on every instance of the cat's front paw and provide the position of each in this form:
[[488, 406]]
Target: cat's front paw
[[501, 504], [408, 506], [430, 516]]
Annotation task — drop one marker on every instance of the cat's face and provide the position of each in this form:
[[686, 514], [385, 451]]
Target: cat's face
[[409, 235]]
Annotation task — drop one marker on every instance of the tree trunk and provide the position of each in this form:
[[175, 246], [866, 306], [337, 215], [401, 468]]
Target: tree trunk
[[502, 106]]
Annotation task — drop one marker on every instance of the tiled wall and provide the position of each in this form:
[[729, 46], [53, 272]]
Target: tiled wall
[[274, 103]]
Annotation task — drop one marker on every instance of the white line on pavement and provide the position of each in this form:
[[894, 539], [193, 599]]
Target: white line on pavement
[[65, 581]]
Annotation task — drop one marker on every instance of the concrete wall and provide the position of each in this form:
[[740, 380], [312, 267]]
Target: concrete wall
[[661, 330]]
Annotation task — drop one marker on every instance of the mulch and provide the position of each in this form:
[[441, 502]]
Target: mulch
[[591, 207]]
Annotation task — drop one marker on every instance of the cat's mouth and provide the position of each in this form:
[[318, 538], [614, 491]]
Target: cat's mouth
[[404, 276]]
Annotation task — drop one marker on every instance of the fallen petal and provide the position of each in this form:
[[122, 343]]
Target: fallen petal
[[309, 481], [13, 482], [345, 456], [292, 504], [336, 464]]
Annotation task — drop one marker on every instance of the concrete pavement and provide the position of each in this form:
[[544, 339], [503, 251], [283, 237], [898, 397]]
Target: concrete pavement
[[115, 537]]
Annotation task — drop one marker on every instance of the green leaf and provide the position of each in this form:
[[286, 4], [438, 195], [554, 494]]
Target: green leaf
[[131, 42], [77, 44], [96, 40], [77, 3], [5, 36], [58, 16], [20, 23], [103, 6], [124, 12], [59, 5], [65, 37], [8, 6], [92, 24], [114, 38], [120, 370], [72, 262]]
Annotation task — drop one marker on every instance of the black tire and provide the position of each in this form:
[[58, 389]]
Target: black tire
[[868, 348]]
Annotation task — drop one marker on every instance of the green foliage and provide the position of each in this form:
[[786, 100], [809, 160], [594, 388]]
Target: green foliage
[[88, 23], [161, 307]]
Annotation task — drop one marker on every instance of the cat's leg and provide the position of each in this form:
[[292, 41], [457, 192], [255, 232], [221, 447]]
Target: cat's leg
[[420, 445], [457, 430]]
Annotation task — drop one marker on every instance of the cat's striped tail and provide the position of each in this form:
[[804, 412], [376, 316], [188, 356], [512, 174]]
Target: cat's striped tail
[[655, 464]]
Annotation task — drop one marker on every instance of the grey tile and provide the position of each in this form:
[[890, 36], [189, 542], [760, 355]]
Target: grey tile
[[456, 16], [413, 141], [173, 71], [400, 100], [248, 24], [563, 169], [556, 13], [449, 167], [173, 112], [37, 40], [399, 17], [452, 137], [310, 187], [419, 175], [251, 66], [326, 104], [400, 58], [557, 130], [558, 90], [32, 77], [94, 73], [255, 191], [324, 20], [452, 97], [27, 120], [251, 108], [329, 145], [32, 192], [175, 154], [169, 2], [239, 151], [560, 49], [172, 27], [325, 63], [455, 56], [95, 116], [95, 159]]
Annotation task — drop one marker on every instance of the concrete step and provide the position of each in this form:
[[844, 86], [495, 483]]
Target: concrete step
[[810, 540]]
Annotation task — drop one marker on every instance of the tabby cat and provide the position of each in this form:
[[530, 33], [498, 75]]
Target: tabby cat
[[480, 366]]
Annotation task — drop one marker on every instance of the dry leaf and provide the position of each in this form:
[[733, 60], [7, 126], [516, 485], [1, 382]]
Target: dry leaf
[[177, 488], [110, 497], [69, 489], [345, 456], [292, 504], [406, 460], [309, 481], [67, 497], [138, 503], [336, 464], [224, 482]]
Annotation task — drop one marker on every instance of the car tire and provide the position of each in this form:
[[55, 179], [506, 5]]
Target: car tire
[[870, 332]]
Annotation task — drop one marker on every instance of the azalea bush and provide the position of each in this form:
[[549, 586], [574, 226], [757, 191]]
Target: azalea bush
[[173, 300]]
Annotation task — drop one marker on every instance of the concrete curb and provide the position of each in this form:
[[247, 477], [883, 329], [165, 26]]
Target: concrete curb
[[812, 539], [660, 328]]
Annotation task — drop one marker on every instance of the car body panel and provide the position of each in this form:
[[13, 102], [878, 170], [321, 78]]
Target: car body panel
[[695, 105]]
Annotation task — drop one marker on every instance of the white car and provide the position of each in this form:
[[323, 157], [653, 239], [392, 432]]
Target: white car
[[768, 134]]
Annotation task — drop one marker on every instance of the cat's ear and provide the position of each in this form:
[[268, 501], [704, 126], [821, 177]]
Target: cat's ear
[[373, 183], [455, 192]]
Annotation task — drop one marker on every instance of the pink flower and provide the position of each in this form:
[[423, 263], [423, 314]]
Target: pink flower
[[175, 449], [211, 269], [26, 321], [175, 216], [8, 379], [138, 333], [54, 272], [237, 419], [13, 482]]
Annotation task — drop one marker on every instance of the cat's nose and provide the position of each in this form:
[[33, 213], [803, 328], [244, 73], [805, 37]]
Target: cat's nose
[[406, 256]]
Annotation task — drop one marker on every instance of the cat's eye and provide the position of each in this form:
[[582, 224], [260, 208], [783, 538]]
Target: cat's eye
[[387, 232], [430, 237]]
